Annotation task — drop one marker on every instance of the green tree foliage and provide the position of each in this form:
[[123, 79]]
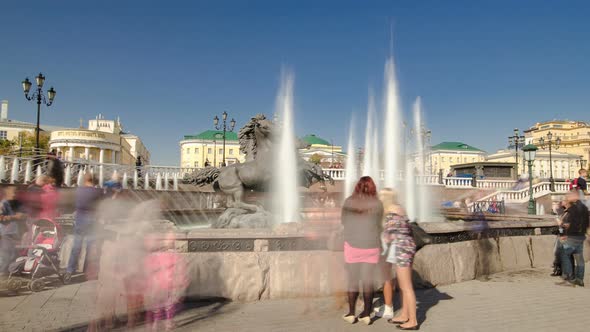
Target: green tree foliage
[[28, 143], [316, 158]]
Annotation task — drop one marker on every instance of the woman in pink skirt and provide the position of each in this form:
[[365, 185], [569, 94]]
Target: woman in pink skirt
[[361, 217]]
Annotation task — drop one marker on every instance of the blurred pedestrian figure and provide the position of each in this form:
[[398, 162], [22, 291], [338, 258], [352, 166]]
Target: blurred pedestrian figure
[[575, 226], [49, 200], [166, 281], [114, 186], [562, 212], [11, 225], [138, 165], [361, 219], [87, 198], [55, 169], [399, 232]]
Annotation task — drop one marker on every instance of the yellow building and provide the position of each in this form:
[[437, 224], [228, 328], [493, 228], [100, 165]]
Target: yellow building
[[565, 165], [104, 141], [207, 148], [447, 154], [574, 136], [328, 155]]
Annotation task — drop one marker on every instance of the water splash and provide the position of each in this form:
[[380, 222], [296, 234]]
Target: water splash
[[410, 190], [423, 201], [370, 156], [392, 134], [351, 163], [286, 198]]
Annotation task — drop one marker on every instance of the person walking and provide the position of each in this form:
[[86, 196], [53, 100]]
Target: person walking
[[398, 232], [575, 226], [87, 198], [361, 219], [55, 169]]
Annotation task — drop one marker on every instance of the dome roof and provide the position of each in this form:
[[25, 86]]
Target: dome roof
[[313, 139]]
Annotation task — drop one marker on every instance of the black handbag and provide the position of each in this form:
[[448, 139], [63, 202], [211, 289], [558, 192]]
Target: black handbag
[[421, 238]]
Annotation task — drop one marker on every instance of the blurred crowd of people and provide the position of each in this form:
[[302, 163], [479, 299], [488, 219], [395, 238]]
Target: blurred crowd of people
[[113, 240]]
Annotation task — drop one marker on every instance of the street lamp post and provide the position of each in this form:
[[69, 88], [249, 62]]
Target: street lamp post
[[40, 98], [551, 144], [529, 155], [516, 140], [225, 129]]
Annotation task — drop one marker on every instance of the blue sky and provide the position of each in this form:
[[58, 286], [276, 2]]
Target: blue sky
[[167, 67]]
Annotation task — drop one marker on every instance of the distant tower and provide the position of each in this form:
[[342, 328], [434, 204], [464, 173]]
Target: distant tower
[[4, 111]]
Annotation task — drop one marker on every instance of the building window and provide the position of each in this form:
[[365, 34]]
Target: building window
[[464, 160], [442, 159], [3, 135], [196, 150], [231, 152], [209, 151], [220, 151], [188, 151], [196, 164], [451, 159]]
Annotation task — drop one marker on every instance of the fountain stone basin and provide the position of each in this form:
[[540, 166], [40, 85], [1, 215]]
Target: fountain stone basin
[[299, 260]]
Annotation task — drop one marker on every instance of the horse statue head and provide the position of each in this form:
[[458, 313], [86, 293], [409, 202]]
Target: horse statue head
[[255, 136]]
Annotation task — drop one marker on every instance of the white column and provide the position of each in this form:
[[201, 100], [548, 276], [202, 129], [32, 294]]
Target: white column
[[113, 157], [87, 153], [101, 156], [71, 152]]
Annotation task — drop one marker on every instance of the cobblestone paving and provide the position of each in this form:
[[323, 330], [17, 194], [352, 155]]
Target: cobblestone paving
[[514, 301]]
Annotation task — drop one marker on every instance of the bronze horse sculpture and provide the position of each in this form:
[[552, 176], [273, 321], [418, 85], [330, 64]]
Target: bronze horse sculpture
[[256, 142]]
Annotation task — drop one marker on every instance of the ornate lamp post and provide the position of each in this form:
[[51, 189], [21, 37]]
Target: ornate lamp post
[[517, 141], [40, 98], [529, 155], [551, 144], [225, 129]]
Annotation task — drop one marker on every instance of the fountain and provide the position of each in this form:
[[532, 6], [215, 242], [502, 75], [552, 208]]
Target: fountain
[[284, 185], [371, 156], [351, 164], [392, 129], [423, 201]]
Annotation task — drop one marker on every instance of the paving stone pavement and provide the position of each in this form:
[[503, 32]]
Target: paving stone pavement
[[526, 300]]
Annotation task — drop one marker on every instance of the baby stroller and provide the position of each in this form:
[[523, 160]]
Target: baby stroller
[[41, 258]]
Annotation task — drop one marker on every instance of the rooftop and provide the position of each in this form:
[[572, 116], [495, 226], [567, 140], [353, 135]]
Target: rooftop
[[455, 146], [313, 139], [212, 135]]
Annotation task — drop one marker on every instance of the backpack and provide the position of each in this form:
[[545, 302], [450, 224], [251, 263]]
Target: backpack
[[574, 184]]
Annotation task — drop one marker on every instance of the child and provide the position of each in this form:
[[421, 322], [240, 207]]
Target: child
[[166, 280]]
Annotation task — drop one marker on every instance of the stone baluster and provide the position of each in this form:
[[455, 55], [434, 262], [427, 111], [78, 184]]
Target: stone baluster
[[135, 180], [146, 183], [166, 181], [124, 183], [175, 182]]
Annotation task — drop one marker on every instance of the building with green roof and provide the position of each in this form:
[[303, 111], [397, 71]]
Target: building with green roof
[[444, 155], [322, 151], [206, 149]]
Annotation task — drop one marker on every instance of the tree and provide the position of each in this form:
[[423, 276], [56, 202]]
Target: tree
[[316, 158], [6, 146], [28, 142]]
